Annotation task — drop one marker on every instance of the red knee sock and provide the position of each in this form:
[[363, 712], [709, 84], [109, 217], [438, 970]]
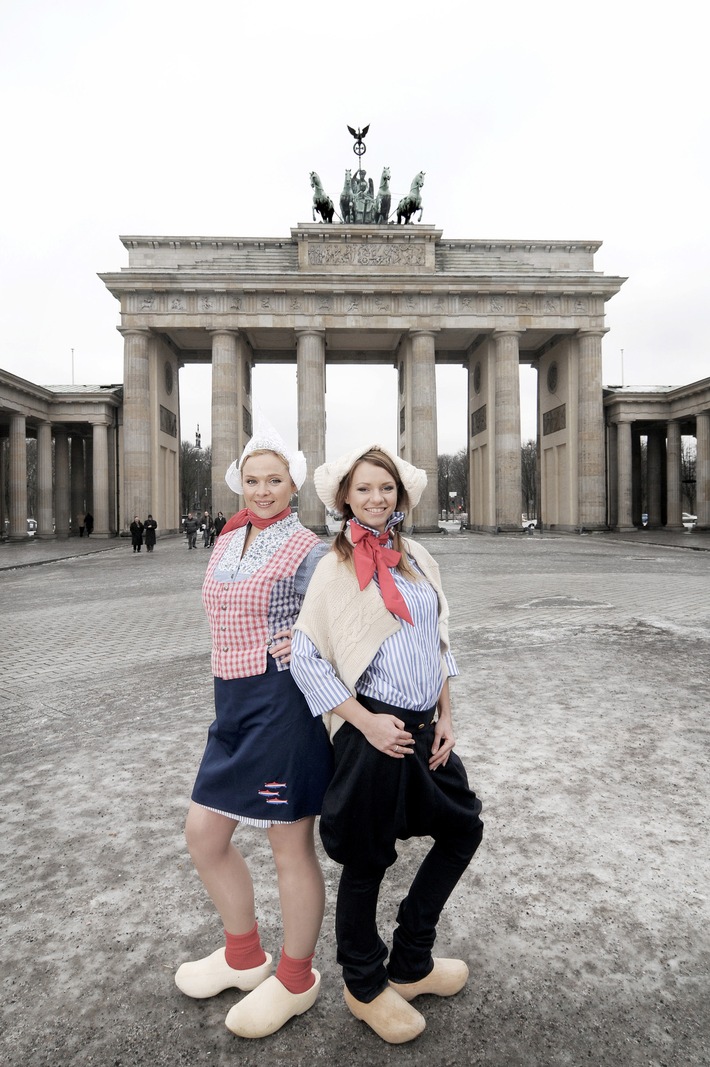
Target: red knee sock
[[296, 975], [243, 951]]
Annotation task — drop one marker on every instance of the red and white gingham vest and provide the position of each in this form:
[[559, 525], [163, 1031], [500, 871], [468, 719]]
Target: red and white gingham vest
[[238, 611]]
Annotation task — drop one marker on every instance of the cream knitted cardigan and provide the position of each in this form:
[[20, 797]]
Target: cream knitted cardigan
[[348, 625]]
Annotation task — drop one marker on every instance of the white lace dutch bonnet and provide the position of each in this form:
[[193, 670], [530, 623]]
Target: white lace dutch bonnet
[[266, 437]]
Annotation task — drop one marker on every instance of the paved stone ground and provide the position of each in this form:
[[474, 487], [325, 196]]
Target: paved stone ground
[[582, 715]]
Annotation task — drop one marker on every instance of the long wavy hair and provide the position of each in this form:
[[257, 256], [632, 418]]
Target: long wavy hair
[[341, 545]]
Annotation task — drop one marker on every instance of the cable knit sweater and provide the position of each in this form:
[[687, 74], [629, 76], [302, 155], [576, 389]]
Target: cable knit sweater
[[348, 625]]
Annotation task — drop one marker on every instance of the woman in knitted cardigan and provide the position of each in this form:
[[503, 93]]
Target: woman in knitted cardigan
[[370, 651]]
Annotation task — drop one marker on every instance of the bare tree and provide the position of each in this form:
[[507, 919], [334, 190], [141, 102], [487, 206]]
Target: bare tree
[[453, 478]]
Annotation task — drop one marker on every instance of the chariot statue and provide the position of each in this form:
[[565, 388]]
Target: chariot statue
[[359, 204]]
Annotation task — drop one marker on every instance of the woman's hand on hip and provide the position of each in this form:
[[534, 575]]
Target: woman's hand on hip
[[444, 742], [280, 646]]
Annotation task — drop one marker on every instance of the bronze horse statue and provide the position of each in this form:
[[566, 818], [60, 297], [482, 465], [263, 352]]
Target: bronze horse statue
[[384, 197], [347, 209], [321, 201], [412, 202]]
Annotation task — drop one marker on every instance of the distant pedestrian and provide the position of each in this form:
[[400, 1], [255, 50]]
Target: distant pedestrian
[[80, 520], [136, 533], [206, 526], [149, 528], [89, 523], [219, 524], [191, 527]]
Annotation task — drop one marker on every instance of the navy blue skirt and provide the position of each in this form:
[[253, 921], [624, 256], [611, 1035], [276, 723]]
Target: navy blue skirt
[[267, 759]]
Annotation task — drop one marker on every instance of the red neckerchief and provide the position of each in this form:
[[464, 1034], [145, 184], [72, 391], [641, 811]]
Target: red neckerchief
[[370, 553], [247, 515]]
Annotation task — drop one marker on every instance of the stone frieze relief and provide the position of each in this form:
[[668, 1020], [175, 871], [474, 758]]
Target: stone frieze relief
[[367, 255], [252, 302]]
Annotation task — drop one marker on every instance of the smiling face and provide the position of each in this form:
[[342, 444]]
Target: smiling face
[[372, 495], [266, 483]]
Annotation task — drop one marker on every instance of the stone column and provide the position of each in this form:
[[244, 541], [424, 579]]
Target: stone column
[[656, 445], [636, 471], [136, 426], [89, 474], [113, 518], [18, 478], [226, 414], [507, 431], [3, 489], [77, 482], [612, 475], [100, 480], [702, 470], [424, 436], [61, 483], [590, 408], [624, 498], [45, 501], [310, 374], [674, 503]]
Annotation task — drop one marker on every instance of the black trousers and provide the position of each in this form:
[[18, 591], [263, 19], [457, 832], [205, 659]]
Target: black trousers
[[372, 801]]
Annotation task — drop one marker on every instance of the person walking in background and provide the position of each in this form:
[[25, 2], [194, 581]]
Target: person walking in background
[[371, 648], [191, 526], [219, 523], [149, 528], [89, 524], [268, 761], [206, 527], [80, 521], [136, 533]]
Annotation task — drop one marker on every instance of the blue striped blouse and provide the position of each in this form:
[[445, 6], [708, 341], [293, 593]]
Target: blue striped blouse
[[406, 670]]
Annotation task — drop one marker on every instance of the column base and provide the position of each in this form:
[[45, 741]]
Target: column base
[[416, 529]]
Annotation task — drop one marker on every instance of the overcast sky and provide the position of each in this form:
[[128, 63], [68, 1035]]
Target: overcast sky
[[549, 121]]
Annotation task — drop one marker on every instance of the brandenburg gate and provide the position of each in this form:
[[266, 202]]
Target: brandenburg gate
[[371, 293]]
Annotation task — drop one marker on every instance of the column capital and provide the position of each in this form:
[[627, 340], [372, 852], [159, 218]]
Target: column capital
[[131, 331], [592, 331], [310, 332], [222, 332], [433, 332], [505, 332]]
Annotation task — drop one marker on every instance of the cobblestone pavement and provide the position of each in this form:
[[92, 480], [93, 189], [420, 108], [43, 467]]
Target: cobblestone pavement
[[582, 716]]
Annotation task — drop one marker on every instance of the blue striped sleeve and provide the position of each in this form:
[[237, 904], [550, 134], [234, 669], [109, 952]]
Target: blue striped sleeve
[[315, 676]]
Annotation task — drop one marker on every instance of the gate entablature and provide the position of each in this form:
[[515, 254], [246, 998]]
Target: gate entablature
[[380, 294]]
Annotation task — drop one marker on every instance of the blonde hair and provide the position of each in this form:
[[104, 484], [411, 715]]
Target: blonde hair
[[341, 545]]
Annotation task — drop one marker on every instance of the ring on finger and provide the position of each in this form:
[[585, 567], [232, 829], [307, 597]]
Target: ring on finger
[[396, 748]]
